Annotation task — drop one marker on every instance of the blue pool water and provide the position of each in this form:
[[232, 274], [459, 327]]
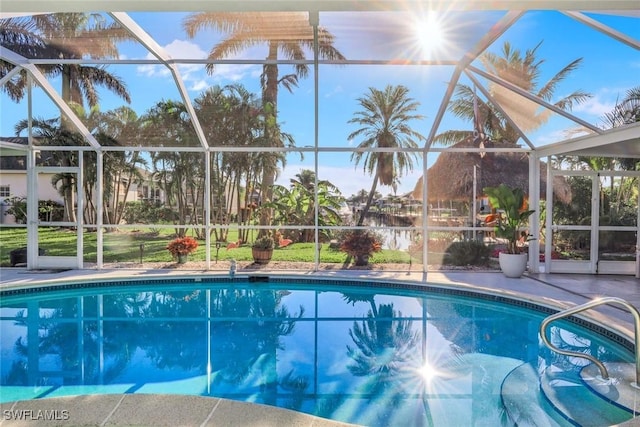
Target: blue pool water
[[362, 353]]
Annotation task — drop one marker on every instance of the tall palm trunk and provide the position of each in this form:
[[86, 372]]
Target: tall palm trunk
[[367, 206], [270, 104]]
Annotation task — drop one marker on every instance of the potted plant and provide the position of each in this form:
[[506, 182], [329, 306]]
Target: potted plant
[[262, 249], [513, 215], [181, 247], [361, 245]]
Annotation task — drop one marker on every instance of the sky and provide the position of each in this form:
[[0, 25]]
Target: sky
[[608, 69]]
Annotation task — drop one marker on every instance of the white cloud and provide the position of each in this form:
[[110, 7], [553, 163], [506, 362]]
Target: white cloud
[[553, 137], [185, 50], [604, 101], [235, 72], [336, 90], [176, 49], [196, 74], [149, 70], [199, 85], [595, 106]]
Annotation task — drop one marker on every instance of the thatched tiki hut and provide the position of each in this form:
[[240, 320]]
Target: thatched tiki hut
[[452, 175]]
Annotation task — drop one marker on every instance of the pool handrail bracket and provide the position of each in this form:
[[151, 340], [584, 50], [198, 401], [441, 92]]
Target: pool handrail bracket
[[587, 306]]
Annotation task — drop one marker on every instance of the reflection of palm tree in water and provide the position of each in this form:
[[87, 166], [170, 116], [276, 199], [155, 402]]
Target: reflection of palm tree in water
[[385, 350], [57, 336], [242, 346], [383, 346]]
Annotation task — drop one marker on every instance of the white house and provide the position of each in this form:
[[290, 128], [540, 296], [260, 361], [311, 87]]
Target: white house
[[13, 181]]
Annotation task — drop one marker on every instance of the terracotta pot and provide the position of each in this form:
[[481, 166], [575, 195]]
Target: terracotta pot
[[513, 265], [261, 256]]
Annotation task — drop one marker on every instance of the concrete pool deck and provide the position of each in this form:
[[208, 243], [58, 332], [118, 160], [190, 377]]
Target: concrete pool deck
[[555, 290]]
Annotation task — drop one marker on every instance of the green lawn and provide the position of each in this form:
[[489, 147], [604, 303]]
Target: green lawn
[[124, 246]]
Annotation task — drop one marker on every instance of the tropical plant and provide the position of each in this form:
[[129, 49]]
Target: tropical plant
[[523, 72], [245, 30], [120, 170], [361, 243], [147, 212], [626, 111], [513, 213], [182, 246], [384, 124], [265, 243], [20, 36], [362, 196], [296, 205]]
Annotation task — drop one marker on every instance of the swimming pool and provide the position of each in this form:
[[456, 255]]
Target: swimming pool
[[377, 354]]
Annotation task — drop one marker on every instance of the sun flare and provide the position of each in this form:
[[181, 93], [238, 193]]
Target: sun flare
[[427, 372], [430, 34]]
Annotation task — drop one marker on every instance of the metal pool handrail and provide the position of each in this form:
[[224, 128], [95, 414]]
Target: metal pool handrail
[[586, 306]]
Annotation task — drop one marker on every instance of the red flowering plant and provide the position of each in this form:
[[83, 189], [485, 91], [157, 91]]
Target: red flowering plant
[[182, 246], [361, 243]]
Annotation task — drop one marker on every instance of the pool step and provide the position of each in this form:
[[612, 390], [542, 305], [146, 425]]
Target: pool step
[[587, 401], [621, 389], [523, 402]]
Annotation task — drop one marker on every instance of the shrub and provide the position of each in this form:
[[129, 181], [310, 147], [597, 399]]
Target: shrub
[[147, 212], [359, 243], [182, 246], [48, 210], [469, 252]]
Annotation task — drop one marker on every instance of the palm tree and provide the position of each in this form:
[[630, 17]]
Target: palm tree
[[68, 36], [384, 124], [522, 71], [285, 33], [121, 126], [181, 173], [234, 118], [626, 111], [18, 35], [328, 200]]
